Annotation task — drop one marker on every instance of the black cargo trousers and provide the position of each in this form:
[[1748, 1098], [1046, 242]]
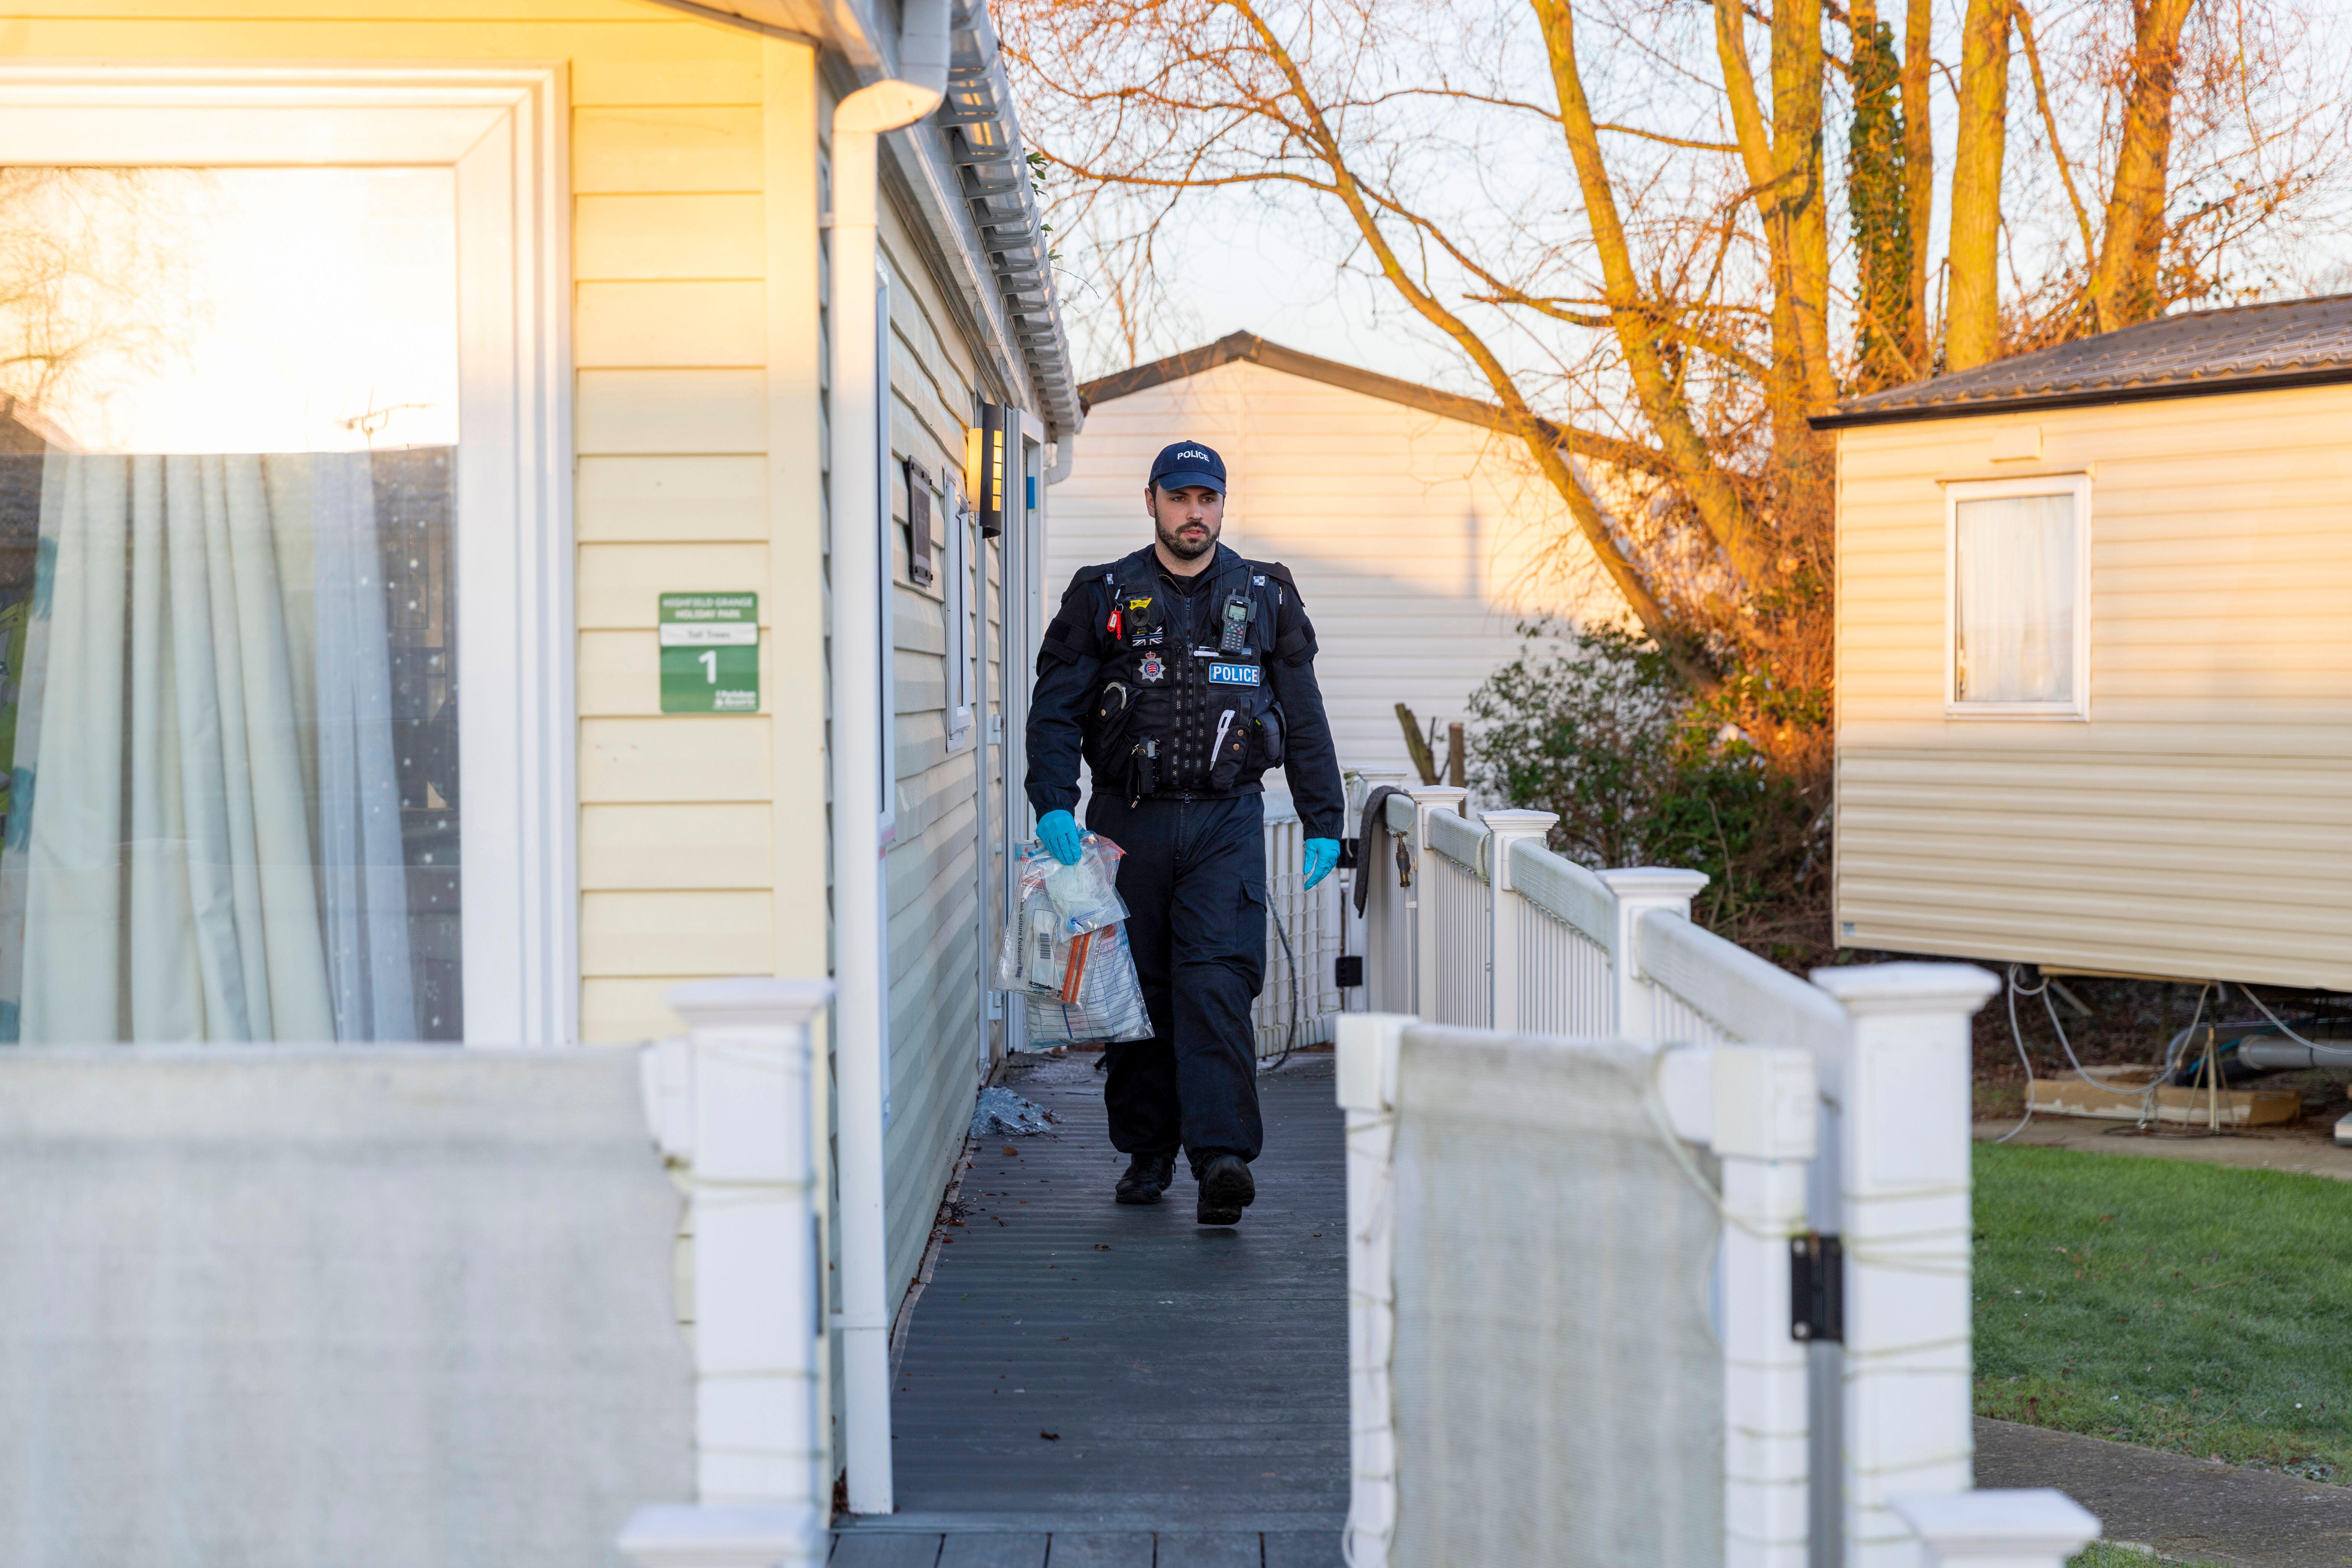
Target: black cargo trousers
[[1193, 880]]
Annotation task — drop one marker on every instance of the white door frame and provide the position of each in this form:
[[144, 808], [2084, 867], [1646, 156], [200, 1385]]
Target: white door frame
[[501, 128]]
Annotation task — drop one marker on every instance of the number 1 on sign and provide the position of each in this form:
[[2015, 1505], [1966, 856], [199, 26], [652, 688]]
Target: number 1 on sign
[[710, 657]]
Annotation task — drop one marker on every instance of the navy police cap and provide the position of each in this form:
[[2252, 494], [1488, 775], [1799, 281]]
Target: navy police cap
[[1188, 463]]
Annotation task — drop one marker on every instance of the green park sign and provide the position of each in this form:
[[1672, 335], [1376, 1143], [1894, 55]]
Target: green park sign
[[710, 653]]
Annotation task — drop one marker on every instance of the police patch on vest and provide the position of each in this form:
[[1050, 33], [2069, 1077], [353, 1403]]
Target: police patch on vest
[[1150, 668], [1234, 674]]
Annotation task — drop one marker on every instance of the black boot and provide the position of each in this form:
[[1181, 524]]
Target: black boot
[[1226, 1189], [1146, 1177]]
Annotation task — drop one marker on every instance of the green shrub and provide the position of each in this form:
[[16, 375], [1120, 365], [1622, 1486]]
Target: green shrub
[[1596, 726]]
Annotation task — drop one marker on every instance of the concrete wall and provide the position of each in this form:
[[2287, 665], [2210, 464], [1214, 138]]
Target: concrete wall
[[2198, 822]]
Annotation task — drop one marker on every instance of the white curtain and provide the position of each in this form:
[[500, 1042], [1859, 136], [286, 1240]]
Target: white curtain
[[204, 842], [2014, 564]]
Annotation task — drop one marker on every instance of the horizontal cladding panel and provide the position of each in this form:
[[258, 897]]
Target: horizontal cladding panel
[[673, 499], [1916, 723], [621, 584], [733, 77], [677, 757], [671, 411], [654, 847], [2218, 953], [680, 933], [620, 151], [2261, 915], [623, 1009], [2120, 771], [2145, 500], [2184, 924], [2285, 861], [668, 236], [620, 55], [2308, 420], [632, 325], [1974, 826]]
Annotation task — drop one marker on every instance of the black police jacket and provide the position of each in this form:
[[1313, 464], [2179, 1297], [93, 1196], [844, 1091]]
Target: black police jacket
[[1187, 695]]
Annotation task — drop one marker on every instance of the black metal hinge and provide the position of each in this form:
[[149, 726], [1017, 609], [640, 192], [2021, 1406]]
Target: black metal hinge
[[1816, 1289], [1348, 970]]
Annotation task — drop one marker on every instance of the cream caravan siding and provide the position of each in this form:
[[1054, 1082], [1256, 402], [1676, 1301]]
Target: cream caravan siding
[[1419, 542], [2200, 823], [937, 1050], [693, 241]]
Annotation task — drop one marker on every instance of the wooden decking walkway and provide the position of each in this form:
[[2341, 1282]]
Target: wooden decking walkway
[[1092, 1387]]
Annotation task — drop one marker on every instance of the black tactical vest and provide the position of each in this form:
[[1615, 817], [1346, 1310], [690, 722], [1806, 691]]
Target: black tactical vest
[[1184, 703]]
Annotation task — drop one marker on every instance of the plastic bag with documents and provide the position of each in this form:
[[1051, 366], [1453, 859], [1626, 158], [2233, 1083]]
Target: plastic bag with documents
[[1102, 999]]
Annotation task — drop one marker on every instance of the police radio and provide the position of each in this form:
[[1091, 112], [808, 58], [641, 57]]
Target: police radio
[[1240, 610]]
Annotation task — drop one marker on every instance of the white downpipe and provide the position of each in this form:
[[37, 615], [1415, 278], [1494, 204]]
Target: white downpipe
[[861, 1011]]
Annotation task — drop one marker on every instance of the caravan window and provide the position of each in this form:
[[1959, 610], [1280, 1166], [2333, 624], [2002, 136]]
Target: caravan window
[[2017, 598], [227, 715]]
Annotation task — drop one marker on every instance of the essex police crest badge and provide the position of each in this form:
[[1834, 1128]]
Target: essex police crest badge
[[1151, 669]]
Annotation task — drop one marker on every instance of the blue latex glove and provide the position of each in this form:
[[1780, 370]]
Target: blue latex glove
[[1058, 831], [1322, 854]]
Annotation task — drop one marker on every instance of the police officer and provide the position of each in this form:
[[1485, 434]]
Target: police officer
[[1182, 673]]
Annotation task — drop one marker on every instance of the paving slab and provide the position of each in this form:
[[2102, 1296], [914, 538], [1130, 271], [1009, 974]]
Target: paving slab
[[2181, 1507]]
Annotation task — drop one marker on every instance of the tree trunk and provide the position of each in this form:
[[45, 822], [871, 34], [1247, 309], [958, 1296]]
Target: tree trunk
[[1972, 321], [1803, 192], [1918, 167], [1711, 493], [2125, 284]]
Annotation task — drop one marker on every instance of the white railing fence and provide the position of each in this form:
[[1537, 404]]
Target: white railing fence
[[1548, 1387], [1492, 928], [1301, 995]]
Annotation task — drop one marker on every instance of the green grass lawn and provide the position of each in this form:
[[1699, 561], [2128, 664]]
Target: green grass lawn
[[2101, 1554], [2183, 1307]]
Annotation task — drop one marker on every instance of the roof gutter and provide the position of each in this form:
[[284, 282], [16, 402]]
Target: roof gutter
[[861, 1006], [983, 139]]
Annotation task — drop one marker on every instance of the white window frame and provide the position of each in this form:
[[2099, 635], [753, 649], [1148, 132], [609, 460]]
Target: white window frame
[[2075, 708], [501, 128]]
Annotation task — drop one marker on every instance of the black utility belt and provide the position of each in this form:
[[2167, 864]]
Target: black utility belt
[[1239, 791]]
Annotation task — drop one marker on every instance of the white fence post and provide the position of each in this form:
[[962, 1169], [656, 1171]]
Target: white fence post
[[1764, 1132], [1367, 1046], [733, 1102], [1639, 890], [2036, 1528], [1426, 798], [1384, 904], [1906, 1232], [1505, 828]]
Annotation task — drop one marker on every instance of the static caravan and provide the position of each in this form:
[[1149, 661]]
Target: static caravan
[[506, 508], [2095, 654], [1419, 533]]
